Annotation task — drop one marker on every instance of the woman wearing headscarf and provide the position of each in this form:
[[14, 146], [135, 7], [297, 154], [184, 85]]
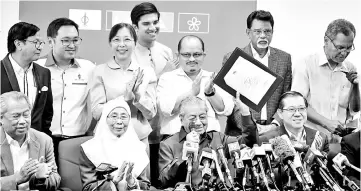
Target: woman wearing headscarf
[[116, 143], [123, 76]]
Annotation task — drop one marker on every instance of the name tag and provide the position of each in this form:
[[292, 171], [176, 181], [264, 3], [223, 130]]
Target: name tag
[[79, 80]]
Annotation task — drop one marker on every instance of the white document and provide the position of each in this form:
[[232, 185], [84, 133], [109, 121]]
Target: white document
[[86, 19], [249, 80]]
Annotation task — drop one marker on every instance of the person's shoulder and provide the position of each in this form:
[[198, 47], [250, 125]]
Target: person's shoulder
[[85, 62], [352, 138], [280, 52], [171, 139], [40, 68], [162, 46], [41, 136], [169, 74]]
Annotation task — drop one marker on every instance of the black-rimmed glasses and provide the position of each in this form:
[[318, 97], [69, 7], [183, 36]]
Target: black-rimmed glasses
[[67, 42], [342, 49], [38, 44], [267, 32], [294, 109], [195, 55]]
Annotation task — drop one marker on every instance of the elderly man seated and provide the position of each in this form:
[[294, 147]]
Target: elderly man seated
[[293, 111], [27, 157], [194, 119]]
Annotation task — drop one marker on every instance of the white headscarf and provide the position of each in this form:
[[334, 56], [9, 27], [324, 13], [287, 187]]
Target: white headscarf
[[106, 147]]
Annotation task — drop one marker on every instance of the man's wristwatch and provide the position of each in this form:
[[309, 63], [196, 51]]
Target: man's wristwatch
[[210, 94]]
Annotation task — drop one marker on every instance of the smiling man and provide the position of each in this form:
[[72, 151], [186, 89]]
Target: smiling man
[[293, 111], [330, 82], [20, 73], [260, 27], [69, 79]]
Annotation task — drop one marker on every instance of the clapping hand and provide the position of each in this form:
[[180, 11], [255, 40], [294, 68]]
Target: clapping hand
[[43, 170], [171, 65], [129, 177], [121, 173], [196, 86], [27, 170], [132, 87], [209, 87]]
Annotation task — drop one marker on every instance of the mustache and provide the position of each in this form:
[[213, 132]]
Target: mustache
[[262, 40], [191, 62]]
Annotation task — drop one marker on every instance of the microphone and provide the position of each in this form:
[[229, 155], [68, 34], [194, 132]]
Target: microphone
[[224, 163], [205, 161], [257, 155], [235, 152], [284, 151], [342, 162], [351, 184], [269, 154], [218, 168], [247, 161], [189, 153]]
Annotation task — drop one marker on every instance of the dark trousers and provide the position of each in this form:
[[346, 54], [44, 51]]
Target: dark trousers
[[154, 168]]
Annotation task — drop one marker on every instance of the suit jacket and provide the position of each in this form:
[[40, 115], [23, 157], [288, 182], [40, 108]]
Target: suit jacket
[[42, 112], [40, 145], [310, 136], [350, 147], [280, 63], [173, 169]]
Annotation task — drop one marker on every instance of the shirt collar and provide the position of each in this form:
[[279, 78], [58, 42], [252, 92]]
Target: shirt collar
[[255, 53], [113, 65], [324, 62], [181, 72], [17, 67], [302, 136], [183, 135], [50, 61], [11, 140]]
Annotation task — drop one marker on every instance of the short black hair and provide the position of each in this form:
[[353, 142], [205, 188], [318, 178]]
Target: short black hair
[[144, 8], [20, 31], [56, 24], [260, 15], [340, 26], [119, 26], [291, 94], [189, 36]]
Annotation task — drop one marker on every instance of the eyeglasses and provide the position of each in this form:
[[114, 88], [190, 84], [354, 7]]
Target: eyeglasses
[[267, 32], [38, 44], [115, 118], [342, 49], [193, 119], [67, 42], [293, 110], [126, 41], [195, 55]]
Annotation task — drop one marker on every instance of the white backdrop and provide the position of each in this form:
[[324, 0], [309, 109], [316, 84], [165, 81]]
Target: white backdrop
[[301, 24]]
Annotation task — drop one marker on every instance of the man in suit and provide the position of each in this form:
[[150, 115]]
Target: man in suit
[[19, 73], [27, 157], [350, 147], [260, 30], [293, 111]]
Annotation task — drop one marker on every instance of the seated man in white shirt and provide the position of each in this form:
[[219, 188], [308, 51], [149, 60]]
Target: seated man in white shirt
[[190, 80], [27, 157]]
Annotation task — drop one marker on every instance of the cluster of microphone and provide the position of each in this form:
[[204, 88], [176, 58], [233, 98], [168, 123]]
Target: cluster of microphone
[[276, 165]]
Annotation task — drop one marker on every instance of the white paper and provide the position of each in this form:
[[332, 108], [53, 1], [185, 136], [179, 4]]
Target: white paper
[[249, 80], [86, 19]]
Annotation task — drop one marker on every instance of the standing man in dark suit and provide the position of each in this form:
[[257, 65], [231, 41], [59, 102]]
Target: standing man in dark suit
[[19, 73], [260, 30]]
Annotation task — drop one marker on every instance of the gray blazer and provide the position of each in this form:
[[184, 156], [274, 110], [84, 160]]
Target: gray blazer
[[40, 145]]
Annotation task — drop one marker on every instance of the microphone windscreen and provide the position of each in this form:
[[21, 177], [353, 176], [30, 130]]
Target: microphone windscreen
[[282, 149]]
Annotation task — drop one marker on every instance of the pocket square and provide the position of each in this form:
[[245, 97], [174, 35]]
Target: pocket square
[[44, 89]]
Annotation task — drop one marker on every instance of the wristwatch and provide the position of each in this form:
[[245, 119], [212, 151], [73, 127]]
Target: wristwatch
[[211, 94]]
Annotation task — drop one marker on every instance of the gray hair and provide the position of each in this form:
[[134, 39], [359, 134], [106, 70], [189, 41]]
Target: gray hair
[[191, 100], [14, 95], [340, 26]]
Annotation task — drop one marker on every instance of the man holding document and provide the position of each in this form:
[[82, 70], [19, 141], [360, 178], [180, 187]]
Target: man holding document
[[260, 30]]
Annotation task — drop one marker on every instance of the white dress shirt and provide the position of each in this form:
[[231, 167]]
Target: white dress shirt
[[175, 83], [20, 155], [71, 99], [264, 61], [25, 79]]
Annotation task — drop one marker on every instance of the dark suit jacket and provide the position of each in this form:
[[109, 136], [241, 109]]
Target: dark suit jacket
[[350, 147], [280, 63], [42, 112], [40, 145], [310, 136]]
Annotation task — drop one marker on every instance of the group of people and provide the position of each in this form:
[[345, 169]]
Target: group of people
[[147, 103]]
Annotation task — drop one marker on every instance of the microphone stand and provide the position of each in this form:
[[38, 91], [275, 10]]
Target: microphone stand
[[189, 168], [351, 184]]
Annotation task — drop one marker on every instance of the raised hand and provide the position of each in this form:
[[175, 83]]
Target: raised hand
[[129, 177], [27, 170], [43, 170], [352, 77], [243, 107], [121, 173], [138, 82], [209, 86], [196, 86], [171, 65]]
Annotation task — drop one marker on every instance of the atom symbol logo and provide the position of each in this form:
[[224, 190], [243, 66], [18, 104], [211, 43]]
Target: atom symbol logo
[[194, 24]]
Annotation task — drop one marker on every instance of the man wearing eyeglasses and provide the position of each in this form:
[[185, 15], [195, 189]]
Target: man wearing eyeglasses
[[70, 75], [293, 111], [260, 31], [190, 80], [330, 82], [20, 73]]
